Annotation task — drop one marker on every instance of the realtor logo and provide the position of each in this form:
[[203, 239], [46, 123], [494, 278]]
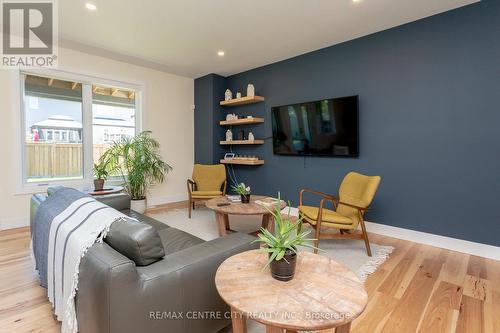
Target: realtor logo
[[29, 34]]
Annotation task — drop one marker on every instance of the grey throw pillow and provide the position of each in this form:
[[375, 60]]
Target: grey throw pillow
[[137, 241]]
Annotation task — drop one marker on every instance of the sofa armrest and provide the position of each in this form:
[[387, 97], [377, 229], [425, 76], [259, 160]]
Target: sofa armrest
[[104, 273], [36, 200], [181, 283]]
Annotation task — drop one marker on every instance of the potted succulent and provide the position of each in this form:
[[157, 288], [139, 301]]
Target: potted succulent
[[139, 163], [243, 191], [100, 173], [282, 246]]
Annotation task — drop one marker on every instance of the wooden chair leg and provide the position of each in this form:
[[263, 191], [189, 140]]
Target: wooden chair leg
[[316, 242], [189, 208], [365, 238]]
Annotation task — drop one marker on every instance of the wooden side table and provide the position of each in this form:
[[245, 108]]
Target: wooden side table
[[252, 208], [323, 294]]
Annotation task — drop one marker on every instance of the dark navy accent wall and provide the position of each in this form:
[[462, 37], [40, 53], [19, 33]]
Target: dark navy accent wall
[[429, 95], [206, 117]]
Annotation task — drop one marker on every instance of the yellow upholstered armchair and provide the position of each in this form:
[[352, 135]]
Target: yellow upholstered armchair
[[355, 196], [208, 181]]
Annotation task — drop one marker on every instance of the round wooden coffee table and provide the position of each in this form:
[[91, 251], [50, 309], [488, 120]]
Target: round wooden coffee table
[[323, 294], [252, 208]]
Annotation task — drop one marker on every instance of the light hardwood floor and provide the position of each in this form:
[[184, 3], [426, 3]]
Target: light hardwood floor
[[418, 289]]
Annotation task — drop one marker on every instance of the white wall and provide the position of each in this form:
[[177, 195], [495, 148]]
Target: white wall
[[167, 112]]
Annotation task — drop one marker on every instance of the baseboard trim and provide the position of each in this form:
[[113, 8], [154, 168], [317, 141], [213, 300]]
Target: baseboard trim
[[449, 243], [454, 244], [6, 224]]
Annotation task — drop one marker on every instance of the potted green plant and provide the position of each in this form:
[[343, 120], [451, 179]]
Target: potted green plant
[[243, 191], [282, 246], [137, 160], [100, 173]]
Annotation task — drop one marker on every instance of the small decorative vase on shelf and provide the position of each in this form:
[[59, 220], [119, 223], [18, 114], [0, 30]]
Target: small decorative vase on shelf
[[250, 90], [284, 269], [245, 198], [250, 136], [228, 95], [238, 95], [229, 135]]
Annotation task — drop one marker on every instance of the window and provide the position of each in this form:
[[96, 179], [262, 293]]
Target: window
[[111, 121], [68, 124]]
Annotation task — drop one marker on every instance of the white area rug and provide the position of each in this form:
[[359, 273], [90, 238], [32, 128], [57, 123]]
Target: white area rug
[[351, 253]]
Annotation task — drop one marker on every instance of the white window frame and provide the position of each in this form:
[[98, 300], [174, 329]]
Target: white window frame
[[25, 187]]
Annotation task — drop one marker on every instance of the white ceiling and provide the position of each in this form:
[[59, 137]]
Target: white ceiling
[[183, 36]]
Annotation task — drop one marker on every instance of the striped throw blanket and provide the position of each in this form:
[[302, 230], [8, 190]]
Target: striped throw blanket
[[72, 232]]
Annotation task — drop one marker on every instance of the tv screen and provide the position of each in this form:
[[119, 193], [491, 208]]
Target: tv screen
[[327, 127]]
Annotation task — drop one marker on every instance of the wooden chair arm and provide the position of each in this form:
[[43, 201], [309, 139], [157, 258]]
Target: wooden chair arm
[[191, 185], [324, 195]]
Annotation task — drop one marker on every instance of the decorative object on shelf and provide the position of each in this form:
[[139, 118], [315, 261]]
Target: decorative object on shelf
[[228, 95], [139, 163], [250, 136], [231, 116], [282, 246], [238, 95], [229, 135], [228, 156], [241, 135], [250, 90], [101, 174], [243, 190], [250, 117]]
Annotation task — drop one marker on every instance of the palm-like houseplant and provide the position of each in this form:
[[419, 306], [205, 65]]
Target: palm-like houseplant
[[100, 173], [137, 160], [282, 246]]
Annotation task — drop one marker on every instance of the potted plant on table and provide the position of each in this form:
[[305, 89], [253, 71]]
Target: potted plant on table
[[282, 246], [138, 162], [100, 173], [243, 191]]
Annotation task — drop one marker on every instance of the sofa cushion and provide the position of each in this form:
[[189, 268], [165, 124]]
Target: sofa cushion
[[118, 201], [146, 219], [137, 241], [176, 240]]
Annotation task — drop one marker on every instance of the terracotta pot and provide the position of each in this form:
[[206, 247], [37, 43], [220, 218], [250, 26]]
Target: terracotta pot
[[138, 205], [284, 270], [245, 198], [98, 184]]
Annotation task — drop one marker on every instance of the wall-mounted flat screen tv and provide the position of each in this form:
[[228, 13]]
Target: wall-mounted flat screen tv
[[327, 127]]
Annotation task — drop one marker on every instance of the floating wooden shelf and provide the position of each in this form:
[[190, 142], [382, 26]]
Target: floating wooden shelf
[[242, 101], [242, 142], [242, 161], [242, 121]]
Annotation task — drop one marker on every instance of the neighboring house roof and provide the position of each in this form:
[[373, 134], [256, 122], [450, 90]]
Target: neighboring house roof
[[66, 122], [59, 121], [111, 121]]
